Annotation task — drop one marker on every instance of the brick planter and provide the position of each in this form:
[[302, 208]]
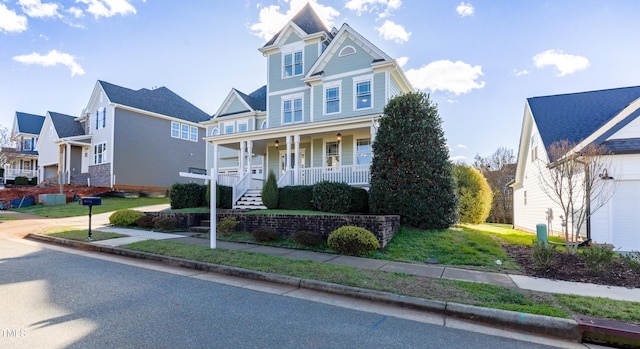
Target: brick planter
[[383, 227]]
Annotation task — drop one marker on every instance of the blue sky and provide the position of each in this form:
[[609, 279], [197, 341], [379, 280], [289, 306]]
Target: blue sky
[[478, 60]]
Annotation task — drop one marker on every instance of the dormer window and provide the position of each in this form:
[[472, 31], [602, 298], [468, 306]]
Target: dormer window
[[293, 64]]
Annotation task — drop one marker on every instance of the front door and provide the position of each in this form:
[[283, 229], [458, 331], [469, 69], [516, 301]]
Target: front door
[[283, 160]]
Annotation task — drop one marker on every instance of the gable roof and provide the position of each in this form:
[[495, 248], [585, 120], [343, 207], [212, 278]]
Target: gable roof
[[66, 125], [29, 123], [576, 116], [160, 100], [255, 101], [307, 20]]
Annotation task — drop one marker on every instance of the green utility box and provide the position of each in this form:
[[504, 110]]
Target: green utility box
[[541, 230], [52, 199]]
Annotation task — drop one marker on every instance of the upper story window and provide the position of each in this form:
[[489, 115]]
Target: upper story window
[[215, 131], [264, 125], [363, 94], [28, 144], [292, 110], [184, 131], [347, 50], [534, 147], [100, 153], [243, 127], [193, 133], [101, 118], [292, 64], [332, 99], [228, 128]]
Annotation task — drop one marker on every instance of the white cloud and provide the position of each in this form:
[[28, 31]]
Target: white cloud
[[444, 75], [392, 31], [76, 12], [465, 9], [271, 20], [564, 63], [462, 146], [35, 8], [108, 8], [381, 7], [51, 59], [517, 72], [457, 158], [10, 21], [402, 61]]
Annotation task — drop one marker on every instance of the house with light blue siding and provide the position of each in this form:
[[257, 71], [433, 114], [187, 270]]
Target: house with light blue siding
[[22, 160], [124, 139], [316, 117]]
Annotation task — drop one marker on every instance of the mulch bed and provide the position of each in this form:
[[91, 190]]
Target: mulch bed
[[17, 192], [572, 268]]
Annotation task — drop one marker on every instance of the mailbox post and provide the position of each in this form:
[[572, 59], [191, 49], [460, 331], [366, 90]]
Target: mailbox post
[[90, 201]]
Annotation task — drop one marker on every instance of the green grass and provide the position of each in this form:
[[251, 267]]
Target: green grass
[[399, 283], [6, 218], [504, 232], [602, 307], [82, 234], [75, 209], [461, 247]]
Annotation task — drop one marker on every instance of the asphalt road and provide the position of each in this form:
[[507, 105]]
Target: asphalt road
[[52, 297]]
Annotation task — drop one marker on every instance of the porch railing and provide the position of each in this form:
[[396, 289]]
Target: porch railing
[[12, 173], [228, 180], [286, 179], [352, 174], [241, 186]]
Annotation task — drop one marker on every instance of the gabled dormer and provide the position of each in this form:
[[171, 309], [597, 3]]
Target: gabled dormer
[[240, 112], [25, 130]]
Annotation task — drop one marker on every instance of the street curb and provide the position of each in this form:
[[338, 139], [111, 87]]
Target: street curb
[[529, 323]]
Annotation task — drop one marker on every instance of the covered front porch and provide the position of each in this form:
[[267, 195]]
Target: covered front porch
[[297, 155]]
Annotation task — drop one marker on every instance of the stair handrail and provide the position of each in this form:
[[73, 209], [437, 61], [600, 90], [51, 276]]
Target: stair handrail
[[285, 180], [241, 186]]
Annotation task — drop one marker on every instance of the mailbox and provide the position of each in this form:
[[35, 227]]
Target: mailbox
[[91, 201]]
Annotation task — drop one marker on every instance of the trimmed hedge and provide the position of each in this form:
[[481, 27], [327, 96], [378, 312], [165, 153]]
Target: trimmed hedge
[[296, 197], [353, 240], [125, 217], [226, 197], [359, 200], [187, 195], [332, 197]]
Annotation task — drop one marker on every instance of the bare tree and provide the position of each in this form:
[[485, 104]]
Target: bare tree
[[578, 181], [499, 170], [5, 142]]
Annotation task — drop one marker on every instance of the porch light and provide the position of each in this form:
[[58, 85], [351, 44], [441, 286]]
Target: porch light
[[605, 175], [277, 143], [339, 137]]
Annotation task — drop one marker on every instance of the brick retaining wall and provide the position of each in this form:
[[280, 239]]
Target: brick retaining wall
[[383, 227]]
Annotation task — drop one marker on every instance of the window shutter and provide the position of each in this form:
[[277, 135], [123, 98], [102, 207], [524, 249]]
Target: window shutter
[[104, 117], [97, 118]]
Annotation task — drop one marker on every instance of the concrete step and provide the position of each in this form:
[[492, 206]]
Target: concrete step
[[252, 207]]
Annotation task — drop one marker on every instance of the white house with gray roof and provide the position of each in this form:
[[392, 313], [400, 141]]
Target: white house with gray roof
[[315, 119], [22, 160], [124, 139], [607, 118]]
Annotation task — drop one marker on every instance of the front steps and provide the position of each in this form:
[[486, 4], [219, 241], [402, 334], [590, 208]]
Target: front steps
[[251, 200]]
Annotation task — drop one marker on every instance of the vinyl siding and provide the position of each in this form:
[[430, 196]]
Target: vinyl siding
[[631, 130], [338, 65], [145, 154], [236, 106], [346, 158], [318, 151]]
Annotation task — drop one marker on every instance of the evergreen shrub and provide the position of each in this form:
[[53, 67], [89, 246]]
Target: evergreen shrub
[[187, 195], [21, 180], [359, 200], [332, 197], [164, 223], [474, 194], [125, 217], [145, 221], [307, 237], [353, 240], [265, 235], [270, 192], [296, 197]]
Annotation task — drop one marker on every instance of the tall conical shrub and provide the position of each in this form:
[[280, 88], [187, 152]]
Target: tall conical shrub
[[270, 195]]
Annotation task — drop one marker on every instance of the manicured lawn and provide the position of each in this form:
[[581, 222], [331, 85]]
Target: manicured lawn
[[81, 234], [73, 209]]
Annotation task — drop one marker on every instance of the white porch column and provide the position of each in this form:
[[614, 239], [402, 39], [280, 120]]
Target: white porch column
[[288, 154], [241, 159], [373, 131], [296, 163], [68, 162], [214, 169], [249, 155]]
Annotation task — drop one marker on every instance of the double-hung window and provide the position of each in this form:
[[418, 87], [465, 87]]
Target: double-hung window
[[332, 98], [293, 64], [292, 110], [184, 131], [332, 155], [228, 128], [243, 127], [363, 94], [363, 151], [193, 133], [175, 129], [101, 118], [100, 153]]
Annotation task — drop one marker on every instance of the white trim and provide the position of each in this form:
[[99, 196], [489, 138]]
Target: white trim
[[291, 90], [330, 85], [324, 153], [342, 53], [347, 74], [291, 98], [356, 81], [293, 62], [311, 102]]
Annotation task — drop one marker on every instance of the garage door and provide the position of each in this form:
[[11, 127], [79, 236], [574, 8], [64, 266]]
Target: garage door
[[626, 216]]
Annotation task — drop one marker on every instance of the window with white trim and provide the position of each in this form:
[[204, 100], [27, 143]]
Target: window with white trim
[[175, 129], [332, 98], [363, 94], [264, 125], [292, 64], [184, 131], [292, 110], [363, 151], [332, 154], [100, 153], [347, 50], [228, 128], [193, 133], [243, 127], [215, 131], [101, 118]]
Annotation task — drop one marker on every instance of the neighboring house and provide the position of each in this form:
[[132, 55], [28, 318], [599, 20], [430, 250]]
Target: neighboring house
[[125, 140], [22, 161], [608, 118], [316, 117]]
